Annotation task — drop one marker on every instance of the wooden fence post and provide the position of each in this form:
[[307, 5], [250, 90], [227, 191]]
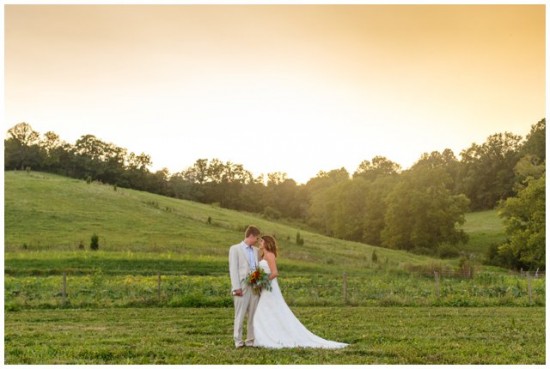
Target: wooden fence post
[[436, 277], [64, 292], [529, 289], [345, 288], [159, 286]]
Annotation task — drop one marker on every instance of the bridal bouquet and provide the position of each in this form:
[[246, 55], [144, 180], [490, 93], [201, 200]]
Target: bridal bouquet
[[258, 280]]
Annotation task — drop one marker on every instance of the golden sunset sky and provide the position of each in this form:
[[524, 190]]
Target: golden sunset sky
[[288, 88]]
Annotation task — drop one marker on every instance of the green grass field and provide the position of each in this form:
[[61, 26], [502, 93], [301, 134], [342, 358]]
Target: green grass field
[[392, 310], [484, 229], [203, 336]]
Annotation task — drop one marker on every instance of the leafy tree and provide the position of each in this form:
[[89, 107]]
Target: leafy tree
[[528, 166], [422, 213], [51, 144], [445, 160], [321, 197], [375, 208], [324, 179], [487, 170], [285, 195], [251, 196], [535, 142], [346, 218], [525, 220], [158, 182], [320, 213], [179, 188], [22, 149], [380, 166], [215, 171]]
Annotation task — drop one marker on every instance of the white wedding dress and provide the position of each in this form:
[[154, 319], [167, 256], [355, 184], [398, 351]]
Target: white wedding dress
[[275, 326]]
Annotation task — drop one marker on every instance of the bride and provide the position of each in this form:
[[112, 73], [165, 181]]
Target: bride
[[275, 326]]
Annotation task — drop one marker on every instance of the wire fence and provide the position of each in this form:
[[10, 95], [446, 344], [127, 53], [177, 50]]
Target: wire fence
[[386, 289]]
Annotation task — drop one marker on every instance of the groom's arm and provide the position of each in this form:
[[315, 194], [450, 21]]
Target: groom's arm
[[234, 271]]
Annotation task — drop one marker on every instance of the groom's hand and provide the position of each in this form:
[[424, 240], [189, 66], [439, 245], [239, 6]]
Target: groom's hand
[[238, 292]]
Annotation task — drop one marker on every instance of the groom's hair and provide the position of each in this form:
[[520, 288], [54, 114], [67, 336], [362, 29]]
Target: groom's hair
[[251, 230]]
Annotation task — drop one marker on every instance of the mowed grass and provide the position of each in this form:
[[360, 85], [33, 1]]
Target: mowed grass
[[203, 336], [484, 229]]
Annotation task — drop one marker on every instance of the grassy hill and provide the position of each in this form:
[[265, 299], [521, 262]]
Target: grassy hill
[[484, 229], [49, 212]]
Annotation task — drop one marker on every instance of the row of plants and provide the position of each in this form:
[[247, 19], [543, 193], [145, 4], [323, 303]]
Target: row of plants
[[372, 288]]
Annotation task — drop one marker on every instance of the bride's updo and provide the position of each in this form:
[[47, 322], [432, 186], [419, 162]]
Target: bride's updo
[[270, 244]]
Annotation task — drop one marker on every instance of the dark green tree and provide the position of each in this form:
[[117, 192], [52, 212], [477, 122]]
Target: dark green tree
[[487, 170], [379, 167], [525, 221], [535, 142], [422, 213], [22, 148], [321, 192]]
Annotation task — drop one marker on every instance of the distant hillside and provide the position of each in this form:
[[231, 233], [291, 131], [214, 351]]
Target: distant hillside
[[45, 211], [48, 212]]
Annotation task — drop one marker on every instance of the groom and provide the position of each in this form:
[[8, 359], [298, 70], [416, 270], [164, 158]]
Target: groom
[[243, 258]]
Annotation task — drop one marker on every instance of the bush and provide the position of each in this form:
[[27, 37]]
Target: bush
[[299, 239], [447, 251], [94, 244]]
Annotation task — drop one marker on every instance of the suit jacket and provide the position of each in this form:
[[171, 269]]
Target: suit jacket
[[239, 265]]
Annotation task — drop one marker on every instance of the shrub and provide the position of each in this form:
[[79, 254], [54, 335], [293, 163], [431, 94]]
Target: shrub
[[94, 244], [447, 251], [374, 257], [299, 239]]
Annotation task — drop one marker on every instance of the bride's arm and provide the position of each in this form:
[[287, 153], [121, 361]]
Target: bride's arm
[[270, 258]]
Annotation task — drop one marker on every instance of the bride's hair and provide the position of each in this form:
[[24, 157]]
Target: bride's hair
[[270, 244]]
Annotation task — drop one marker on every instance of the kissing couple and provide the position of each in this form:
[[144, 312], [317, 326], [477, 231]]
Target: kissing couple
[[270, 322]]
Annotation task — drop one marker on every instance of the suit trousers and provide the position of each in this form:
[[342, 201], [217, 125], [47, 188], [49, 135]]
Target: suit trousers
[[245, 305]]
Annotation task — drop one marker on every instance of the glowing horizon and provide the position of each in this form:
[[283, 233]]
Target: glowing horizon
[[277, 88]]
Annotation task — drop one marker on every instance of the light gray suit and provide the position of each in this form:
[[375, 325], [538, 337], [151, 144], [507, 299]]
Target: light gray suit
[[239, 267]]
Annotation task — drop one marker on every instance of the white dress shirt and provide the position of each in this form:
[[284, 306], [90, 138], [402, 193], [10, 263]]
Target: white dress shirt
[[250, 252]]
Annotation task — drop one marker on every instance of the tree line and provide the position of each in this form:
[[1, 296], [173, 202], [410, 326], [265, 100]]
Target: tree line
[[419, 209]]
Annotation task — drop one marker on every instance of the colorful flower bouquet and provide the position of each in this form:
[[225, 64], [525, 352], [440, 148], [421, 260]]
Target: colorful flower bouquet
[[258, 280]]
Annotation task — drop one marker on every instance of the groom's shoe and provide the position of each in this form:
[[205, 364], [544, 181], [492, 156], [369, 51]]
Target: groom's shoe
[[249, 344], [239, 345]]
